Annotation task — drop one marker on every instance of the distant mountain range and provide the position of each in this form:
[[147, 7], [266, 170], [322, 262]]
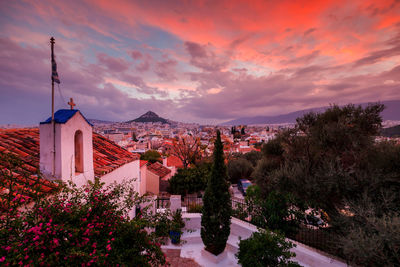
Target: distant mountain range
[[94, 121], [149, 116], [391, 112], [391, 131]]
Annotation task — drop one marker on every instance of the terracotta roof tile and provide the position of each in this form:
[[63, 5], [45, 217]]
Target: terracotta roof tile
[[143, 162], [23, 143], [174, 161], [158, 169]]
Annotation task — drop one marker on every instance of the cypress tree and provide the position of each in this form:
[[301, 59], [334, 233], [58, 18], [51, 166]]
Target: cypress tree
[[217, 206]]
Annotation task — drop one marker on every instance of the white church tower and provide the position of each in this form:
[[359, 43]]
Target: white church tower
[[69, 146]]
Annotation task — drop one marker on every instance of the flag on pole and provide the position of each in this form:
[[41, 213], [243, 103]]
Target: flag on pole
[[54, 74]]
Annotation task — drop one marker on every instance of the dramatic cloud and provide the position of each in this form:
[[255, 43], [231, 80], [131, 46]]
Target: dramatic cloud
[[204, 58], [203, 61], [112, 64], [165, 69]]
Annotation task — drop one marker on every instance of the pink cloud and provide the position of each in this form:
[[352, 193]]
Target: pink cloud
[[112, 63], [136, 55]]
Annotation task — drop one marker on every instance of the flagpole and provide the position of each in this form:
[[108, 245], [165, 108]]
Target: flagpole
[[52, 108]]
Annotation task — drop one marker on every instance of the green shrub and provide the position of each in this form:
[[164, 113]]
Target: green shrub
[[162, 225], [240, 212], [195, 208], [265, 248], [177, 222], [190, 180], [275, 211], [151, 156]]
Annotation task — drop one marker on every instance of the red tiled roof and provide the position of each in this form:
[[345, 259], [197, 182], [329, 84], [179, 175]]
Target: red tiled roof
[[174, 161], [107, 155], [24, 144], [143, 162], [158, 169]]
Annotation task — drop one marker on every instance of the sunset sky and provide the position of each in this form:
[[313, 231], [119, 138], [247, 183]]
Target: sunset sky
[[196, 61]]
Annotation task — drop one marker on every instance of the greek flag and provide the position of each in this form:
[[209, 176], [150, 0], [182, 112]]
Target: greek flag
[[54, 74]]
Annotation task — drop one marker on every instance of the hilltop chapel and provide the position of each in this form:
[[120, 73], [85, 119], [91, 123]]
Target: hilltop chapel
[[69, 151]]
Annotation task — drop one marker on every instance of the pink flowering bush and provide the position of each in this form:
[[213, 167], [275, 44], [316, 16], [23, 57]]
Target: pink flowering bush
[[86, 226]]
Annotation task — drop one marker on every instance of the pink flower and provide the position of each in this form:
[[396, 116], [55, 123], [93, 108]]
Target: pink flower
[[108, 247], [2, 259], [8, 248]]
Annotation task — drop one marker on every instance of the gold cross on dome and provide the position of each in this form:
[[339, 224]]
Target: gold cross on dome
[[71, 103]]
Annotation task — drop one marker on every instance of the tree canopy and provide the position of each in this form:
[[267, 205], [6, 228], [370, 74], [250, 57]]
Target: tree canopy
[[323, 158], [187, 149], [190, 180], [151, 156], [239, 169], [332, 162]]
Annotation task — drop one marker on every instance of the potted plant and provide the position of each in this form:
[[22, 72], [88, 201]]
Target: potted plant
[[162, 227], [177, 225]]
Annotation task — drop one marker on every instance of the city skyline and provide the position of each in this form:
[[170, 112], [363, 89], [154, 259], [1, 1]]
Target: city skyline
[[196, 61]]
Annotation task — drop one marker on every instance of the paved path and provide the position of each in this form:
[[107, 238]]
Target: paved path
[[175, 260], [237, 193]]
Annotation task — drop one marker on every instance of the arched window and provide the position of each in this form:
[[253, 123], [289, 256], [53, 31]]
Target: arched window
[[78, 151]]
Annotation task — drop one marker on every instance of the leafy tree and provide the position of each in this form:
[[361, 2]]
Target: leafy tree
[[331, 161], [323, 159], [276, 211], [272, 159], [273, 148], [188, 149], [151, 156], [262, 172], [253, 157], [370, 237], [217, 207], [190, 180], [265, 248], [242, 132], [238, 169]]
